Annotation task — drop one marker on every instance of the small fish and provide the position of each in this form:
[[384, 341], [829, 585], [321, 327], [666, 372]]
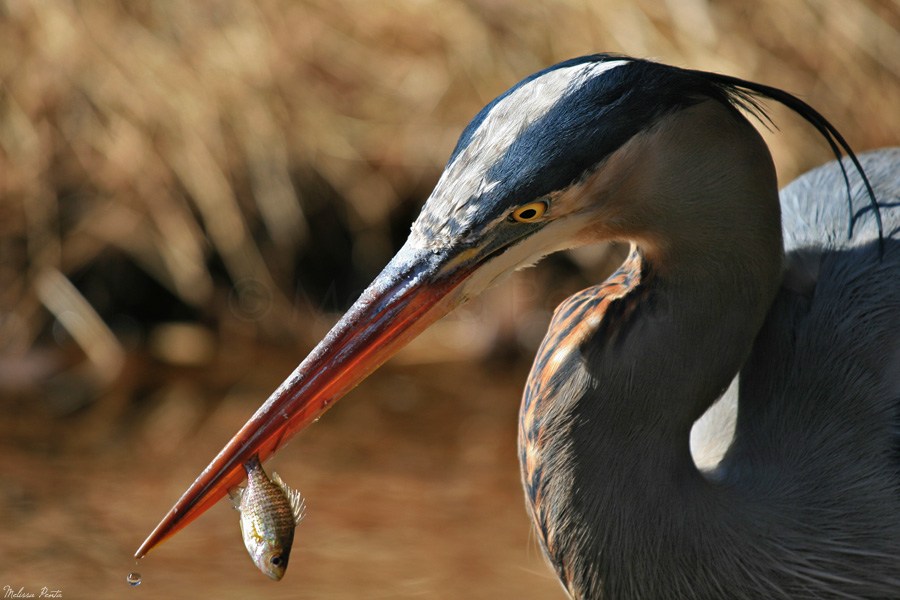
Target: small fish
[[270, 510]]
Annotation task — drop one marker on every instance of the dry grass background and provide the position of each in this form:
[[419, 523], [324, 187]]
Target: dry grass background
[[189, 193]]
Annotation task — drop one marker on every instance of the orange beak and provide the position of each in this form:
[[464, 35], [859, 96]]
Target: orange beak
[[416, 289]]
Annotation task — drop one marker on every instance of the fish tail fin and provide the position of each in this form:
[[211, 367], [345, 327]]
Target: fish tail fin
[[253, 464], [252, 467], [298, 503]]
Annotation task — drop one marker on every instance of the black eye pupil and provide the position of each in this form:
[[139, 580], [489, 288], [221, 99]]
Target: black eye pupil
[[528, 214], [275, 560]]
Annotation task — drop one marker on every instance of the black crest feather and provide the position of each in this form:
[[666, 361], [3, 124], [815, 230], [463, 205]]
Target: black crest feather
[[746, 95]]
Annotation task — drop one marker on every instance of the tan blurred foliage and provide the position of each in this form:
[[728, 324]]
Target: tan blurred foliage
[[170, 132]]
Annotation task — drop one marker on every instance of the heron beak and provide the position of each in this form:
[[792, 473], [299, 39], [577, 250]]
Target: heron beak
[[413, 291]]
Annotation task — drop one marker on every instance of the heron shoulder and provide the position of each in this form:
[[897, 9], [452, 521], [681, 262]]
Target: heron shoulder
[[828, 355], [815, 209]]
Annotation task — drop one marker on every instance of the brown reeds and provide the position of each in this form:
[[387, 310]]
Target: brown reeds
[[170, 133]]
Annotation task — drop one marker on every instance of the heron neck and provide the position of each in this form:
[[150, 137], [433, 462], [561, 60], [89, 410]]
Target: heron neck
[[607, 415], [630, 498]]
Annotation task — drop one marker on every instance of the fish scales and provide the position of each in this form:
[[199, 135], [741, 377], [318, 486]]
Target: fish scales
[[270, 511]]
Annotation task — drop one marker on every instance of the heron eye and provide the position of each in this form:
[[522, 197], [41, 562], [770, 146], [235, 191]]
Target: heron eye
[[529, 212]]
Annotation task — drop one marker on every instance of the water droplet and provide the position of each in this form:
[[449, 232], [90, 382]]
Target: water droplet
[[133, 579], [316, 420]]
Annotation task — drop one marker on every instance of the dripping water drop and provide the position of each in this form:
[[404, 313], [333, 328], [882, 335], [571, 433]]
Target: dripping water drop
[[133, 579]]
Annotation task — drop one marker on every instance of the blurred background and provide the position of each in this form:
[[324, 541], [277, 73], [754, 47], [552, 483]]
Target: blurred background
[[192, 192]]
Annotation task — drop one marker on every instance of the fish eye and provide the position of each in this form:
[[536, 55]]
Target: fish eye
[[529, 213], [275, 561]]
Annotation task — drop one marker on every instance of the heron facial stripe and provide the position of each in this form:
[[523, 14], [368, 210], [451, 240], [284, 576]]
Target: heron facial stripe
[[547, 133], [487, 140]]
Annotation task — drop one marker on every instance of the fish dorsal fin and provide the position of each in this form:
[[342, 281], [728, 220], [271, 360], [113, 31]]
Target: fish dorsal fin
[[298, 504]]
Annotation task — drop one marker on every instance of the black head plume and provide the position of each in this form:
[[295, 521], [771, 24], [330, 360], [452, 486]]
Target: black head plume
[[745, 94]]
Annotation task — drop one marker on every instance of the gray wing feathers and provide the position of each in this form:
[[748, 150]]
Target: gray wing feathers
[[815, 211]]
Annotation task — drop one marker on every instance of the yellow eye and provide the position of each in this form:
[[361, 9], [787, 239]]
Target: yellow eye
[[530, 212]]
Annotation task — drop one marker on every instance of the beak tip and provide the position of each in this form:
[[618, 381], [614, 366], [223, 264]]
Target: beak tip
[[404, 300], [153, 540]]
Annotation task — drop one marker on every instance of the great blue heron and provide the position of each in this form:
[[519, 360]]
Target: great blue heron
[[806, 501]]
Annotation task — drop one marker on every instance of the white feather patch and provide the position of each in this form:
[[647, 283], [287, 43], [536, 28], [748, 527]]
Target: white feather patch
[[466, 176]]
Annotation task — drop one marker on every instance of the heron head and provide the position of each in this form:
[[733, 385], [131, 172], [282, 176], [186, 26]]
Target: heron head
[[558, 161], [537, 170]]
